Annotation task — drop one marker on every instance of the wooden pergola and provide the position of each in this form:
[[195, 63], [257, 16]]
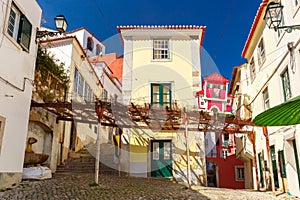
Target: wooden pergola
[[143, 117], [146, 117]]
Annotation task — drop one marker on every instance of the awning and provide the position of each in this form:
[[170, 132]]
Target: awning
[[285, 114]]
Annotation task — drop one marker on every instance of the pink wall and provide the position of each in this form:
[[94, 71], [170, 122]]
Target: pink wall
[[215, 103]]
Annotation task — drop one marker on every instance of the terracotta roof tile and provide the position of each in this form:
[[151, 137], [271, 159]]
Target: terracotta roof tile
[[215, 77]]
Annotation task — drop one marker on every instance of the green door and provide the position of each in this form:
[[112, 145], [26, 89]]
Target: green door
[[274, 166], [261, 171], [161, 158], [297, 161]]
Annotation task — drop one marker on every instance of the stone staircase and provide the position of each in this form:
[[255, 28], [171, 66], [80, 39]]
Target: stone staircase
[[84, 160]]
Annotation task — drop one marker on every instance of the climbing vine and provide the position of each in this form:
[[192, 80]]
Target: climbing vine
[[51, 79]]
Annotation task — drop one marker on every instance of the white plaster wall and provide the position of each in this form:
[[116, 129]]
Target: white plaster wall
[[82, 36], [15, 66], [108, 84]]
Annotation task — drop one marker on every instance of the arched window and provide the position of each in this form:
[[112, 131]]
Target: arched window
[[90, 43], [98, 49]]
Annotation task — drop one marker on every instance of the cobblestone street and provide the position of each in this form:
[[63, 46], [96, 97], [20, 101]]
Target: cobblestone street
[[112, 187]]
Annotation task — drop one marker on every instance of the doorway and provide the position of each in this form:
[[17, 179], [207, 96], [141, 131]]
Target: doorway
[[211, 171], [161, 158]]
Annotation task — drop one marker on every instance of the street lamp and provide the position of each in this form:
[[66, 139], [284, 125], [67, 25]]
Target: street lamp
[[61, 25], [274, 16]]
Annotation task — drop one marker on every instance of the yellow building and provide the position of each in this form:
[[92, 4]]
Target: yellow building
[[162, 66]]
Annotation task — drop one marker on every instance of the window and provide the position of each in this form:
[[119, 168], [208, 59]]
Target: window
[[225, 141], [19, 28], [104, 96], [216, 93], [266, 99], [88, 93], [161, 95], [78, 83], [252, 69], [161, 49], [286, 85], [239, 173], [2, 124], [98, 50], [223, 153], [209, 85], [90, 44], [261, 52]]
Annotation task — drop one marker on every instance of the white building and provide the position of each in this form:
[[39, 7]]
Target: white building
[[84, 87], [18, 49], [271, 76]]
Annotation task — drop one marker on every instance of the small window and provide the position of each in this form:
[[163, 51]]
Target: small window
[[216, 93], [90, 44], [78, 83], [95, 129], [104, 96], [261, 52], [209, 85], [2, 124], [239, 173], [226, 141], [222, 87], [252, 69], [286, 85], [161, 49], [161, 95], [98, 50], [266, 99], [223, 153], [19, 28]]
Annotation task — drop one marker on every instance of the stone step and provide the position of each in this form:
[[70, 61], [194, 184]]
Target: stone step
[[83, 162]]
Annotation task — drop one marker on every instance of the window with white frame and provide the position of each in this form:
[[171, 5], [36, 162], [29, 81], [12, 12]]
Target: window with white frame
[[286, 85], [104, 95], [252, 69], [2, 124], [88, 93], [161, 49], [261, 52], [239, 173], [224, 153], [266, 99], [81, 87], [19, 27]]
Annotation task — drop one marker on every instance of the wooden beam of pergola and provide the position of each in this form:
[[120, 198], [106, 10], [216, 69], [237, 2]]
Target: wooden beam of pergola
[[112, 113]]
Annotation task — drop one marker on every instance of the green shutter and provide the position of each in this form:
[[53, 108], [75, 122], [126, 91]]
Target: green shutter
[[282, 163], [210, 85], [222, 87], [163, 94], [25, 33]]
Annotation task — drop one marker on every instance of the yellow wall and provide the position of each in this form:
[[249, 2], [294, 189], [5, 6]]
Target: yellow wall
[[177, 70]]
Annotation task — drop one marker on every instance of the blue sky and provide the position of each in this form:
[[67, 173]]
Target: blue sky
[[228, 22]]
